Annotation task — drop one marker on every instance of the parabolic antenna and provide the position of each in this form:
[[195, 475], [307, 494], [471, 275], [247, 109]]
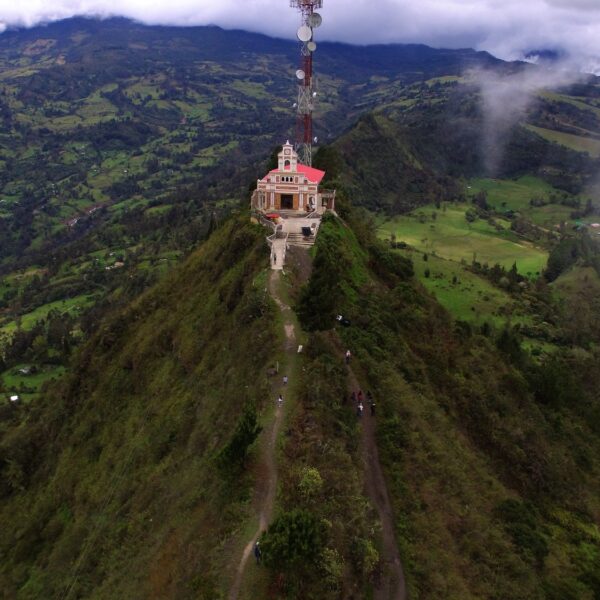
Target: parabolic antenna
[[312, 46], [304, 33], [315, 20], [300, 74]]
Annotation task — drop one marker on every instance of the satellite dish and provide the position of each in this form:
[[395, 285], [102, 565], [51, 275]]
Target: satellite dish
[[315, 20], [311, 46], [300, 74], [305, 33]]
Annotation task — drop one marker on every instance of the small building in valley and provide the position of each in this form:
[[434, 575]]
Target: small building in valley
[[292, 186]]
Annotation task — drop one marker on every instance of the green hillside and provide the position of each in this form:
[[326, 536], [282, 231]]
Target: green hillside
[[146, 336], [481, 458], [112, 484], [122, 145], [135, 476]]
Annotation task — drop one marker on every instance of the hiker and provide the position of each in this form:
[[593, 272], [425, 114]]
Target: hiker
[[359, 410], [274, 259], [280, 400], [348, 356], [257, 552], [371, 402], [353, 396], [285, 380], [360, 396]]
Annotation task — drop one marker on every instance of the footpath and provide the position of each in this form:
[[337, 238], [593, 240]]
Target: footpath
[[266, 487], [390, 584]]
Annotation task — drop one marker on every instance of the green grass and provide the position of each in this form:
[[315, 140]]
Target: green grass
[[578, 280], [70, 305], [471, 298], [583, 104], [450, 236], [511, 194], [575, 142], [515, 194], [15, 381]]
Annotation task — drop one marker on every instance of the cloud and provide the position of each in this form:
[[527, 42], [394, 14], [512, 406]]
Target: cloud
[[506, 28], [506, 97]]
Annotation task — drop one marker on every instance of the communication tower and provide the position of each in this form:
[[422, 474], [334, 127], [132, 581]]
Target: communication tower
[[306, 88]]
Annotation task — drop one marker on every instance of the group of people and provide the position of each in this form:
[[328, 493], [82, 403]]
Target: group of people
[[280, 397], [357, 398], [359, 401]]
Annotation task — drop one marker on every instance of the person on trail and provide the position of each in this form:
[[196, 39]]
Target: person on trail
[[360, 396], [372, 409], [285, 379], [274, 259], [348, 356], [257, 552], [280, 400], [359, 410], [353, 397]]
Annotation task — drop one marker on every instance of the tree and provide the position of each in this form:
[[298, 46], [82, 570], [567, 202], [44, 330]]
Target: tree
[[295, 538]]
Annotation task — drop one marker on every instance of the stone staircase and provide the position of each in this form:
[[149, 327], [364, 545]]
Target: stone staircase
[[297, 239]]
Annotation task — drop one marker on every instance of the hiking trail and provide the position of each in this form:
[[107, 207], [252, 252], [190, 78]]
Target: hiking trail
[[266, 488], [391, 585]]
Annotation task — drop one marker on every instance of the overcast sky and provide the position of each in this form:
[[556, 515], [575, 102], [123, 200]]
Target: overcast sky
[[505, 28]]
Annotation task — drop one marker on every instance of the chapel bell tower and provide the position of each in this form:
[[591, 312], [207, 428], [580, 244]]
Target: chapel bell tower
[[288, 158]]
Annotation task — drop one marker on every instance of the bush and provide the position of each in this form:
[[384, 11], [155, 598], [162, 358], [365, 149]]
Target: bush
[[311, 483], [365, 556], [295, 538], [520, 521], [247, 430]]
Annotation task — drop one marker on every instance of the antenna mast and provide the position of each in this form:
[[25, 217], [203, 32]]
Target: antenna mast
[[306, 89]]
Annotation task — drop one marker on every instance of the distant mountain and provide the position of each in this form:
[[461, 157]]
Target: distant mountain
[[123, 145], [146, 337]]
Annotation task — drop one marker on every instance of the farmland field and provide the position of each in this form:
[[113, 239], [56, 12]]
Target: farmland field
[[464, 294], [575, 142], [449, 235]]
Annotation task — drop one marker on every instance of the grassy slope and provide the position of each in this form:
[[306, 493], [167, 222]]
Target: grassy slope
[[470, 297], [461, 435], [451, 236], [575, 142], [111, 486]]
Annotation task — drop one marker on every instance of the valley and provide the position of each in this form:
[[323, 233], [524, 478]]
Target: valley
[[145, 333]]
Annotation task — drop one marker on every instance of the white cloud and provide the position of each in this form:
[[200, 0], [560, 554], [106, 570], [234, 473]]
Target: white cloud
[[506, 98], [504, 27]]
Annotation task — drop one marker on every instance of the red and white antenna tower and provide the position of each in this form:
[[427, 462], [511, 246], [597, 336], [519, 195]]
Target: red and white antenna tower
[[306, 88]]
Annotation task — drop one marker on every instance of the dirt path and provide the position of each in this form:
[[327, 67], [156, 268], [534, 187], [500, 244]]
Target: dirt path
[[391, 584], [267, 487]]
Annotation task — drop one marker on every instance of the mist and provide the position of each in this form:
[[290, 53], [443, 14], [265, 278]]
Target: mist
[[505, 99]]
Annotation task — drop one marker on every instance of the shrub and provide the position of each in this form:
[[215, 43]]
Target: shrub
[[365, 556], [294, 538], [247, 430], [520, 521], [311, 482]]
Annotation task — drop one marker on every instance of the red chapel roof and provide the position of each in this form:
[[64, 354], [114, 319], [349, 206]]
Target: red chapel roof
[[313, 175]]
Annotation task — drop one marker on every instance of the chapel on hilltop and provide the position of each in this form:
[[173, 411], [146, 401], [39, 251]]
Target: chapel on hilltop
[[292, 186]]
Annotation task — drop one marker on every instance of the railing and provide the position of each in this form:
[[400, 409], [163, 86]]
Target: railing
[[329, 196]]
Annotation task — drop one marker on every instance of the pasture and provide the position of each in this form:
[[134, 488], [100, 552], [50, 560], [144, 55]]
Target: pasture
[[446, 233], [575, 142], [516, 194], [465, 295]]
